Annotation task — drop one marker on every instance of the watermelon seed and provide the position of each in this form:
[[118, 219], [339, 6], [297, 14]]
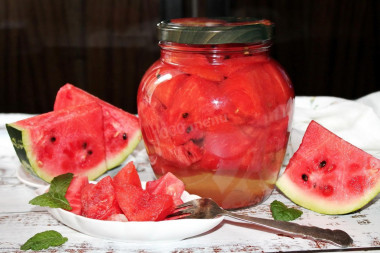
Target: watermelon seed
[[198, 142], [84, 145], [53, 139], [322, 164], [188, 129], [89, 152], [305, 177], [185, 115], [124, 136]]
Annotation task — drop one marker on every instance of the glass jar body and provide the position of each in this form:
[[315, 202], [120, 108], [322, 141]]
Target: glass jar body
[[217, 117]]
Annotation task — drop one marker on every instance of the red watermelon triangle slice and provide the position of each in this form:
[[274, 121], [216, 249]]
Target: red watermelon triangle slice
[[329, 175], [121, 129]]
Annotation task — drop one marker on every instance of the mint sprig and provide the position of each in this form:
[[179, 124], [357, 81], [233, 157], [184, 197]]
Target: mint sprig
[[44, 240], [281, 212], [55, 197]]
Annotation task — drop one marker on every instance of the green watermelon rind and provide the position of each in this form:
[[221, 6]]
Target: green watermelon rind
[[120, 157], [18, 143], [321, 205], [22, 144]]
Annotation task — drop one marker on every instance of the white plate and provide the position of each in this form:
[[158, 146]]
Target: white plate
[[29, 179], [132, 231]]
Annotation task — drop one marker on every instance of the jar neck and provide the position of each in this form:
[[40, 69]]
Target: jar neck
[[215, 53]]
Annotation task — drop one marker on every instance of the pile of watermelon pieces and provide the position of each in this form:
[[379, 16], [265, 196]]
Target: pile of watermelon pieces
[[122, 198]]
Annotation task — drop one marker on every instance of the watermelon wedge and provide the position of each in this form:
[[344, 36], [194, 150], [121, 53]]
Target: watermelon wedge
[[61, 141], [329, 175], [121, 129]]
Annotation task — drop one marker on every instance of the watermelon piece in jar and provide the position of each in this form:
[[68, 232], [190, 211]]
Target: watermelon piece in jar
[[236, 63], [280, 86], [203, 106], [194, 64], [245, 93]]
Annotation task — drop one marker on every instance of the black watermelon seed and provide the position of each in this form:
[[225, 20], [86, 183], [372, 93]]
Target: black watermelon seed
[[53, 139], [89, 152], [198, 142], [305, 177], [125, 136], [322, 164], [84, 145], [185, 115], [188, 129]]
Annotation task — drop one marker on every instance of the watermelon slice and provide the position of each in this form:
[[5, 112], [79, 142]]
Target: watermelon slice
[[62, 141], [121, 129], [329, 175]]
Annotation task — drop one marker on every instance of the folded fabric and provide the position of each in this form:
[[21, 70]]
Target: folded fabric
[[356, 121]]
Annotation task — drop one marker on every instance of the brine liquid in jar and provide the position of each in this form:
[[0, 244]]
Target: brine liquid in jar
[[216, 109]]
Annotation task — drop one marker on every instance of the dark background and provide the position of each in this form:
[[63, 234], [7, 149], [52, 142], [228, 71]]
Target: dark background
[[328, 47]]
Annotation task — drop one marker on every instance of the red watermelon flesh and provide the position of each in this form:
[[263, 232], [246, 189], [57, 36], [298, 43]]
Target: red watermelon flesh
[[99, 200], [74, 193], [62, 141], [127, 175], [140, 205], [329, 175], [167, 184], [121, 129]]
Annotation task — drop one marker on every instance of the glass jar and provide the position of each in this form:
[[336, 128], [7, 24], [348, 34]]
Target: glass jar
[[215, 109]]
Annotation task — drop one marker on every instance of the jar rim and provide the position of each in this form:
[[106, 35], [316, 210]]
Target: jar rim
[[223, 30]]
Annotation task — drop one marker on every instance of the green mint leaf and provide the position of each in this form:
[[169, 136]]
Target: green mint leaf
[[59, 184], [281, 212], [49, 200], [44, 240], [55, 197]]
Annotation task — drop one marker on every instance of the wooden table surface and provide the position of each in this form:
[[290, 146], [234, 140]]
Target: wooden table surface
[[19, 221]]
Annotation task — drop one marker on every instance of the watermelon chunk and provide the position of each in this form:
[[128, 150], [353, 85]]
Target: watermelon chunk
[[167, 184], [99, 200], [127, 175], [74, 193], [62, 141], [121, 129], [140, 205], [329, 175]]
